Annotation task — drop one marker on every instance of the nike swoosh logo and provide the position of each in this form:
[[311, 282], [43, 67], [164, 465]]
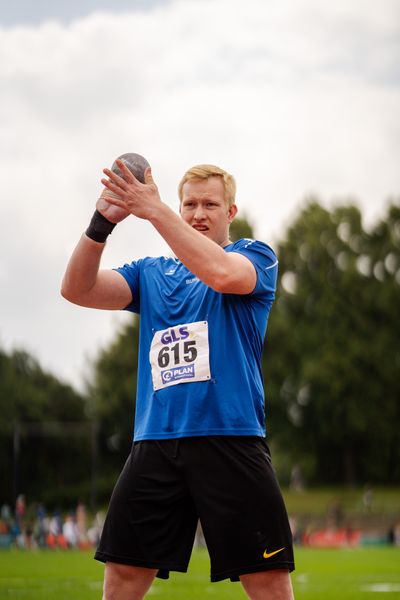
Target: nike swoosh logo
[[269, 554]]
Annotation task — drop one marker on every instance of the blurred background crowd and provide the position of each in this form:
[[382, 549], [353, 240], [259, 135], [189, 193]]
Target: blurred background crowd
[[34, 527]]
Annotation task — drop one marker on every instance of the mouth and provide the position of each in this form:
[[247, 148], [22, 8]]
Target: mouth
[[200, 228]]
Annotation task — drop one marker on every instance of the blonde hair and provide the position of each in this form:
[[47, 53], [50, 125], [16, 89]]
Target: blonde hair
[[206, 171]]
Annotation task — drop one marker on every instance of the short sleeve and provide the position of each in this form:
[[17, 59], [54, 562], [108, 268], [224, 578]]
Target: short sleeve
[[131, 274], [265, 263]]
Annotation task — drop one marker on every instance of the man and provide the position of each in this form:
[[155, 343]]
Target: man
[[199, 450]]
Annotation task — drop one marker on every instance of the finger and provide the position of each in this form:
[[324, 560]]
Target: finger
[[127, 174], [148, 177], [114, 201], [116, 179], [107, 192], [116, 189]]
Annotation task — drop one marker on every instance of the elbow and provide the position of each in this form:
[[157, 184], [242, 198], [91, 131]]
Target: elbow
[[76, 296], [67, 293], [220, 287], [64, 290], [231, 282]]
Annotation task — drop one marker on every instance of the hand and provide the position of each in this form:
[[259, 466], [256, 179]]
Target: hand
[[110, 212], [128, 195]]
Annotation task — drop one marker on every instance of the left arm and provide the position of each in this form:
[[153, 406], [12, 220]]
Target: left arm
[[225, 272]]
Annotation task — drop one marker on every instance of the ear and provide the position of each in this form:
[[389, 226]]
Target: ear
[[232, 212]]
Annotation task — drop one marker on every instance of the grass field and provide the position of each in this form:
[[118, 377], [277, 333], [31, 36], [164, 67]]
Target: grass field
[[318, 501], [320, 574]]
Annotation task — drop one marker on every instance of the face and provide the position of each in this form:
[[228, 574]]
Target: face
[[205, 209]]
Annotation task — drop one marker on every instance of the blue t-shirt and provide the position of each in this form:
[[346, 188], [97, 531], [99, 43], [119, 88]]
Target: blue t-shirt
[[199, 368]]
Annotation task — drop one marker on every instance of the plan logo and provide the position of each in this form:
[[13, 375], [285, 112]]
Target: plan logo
[[177, 374]]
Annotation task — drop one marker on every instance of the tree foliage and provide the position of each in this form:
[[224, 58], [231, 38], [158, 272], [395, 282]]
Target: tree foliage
[[240, 228], [29, 399], [333, 353], [112, 395]]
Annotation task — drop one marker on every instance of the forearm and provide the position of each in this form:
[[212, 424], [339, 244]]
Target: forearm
[[202, 256], [225, 272]]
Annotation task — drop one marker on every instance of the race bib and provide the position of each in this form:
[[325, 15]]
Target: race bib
[[180, 354]]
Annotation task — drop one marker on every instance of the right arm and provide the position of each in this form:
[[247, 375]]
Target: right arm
[[85, 284]]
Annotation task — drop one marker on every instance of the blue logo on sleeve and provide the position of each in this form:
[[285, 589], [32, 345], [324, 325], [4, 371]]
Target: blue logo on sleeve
[[170, 375]]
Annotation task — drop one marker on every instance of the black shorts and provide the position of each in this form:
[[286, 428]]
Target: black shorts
[[226, 482]]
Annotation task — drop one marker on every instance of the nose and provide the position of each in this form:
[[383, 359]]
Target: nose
[[199, 213]]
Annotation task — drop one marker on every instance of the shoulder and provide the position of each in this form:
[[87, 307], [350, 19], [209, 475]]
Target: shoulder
[[265, 263], [256, 250]]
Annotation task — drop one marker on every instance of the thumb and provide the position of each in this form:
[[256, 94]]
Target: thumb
[[148, 177]]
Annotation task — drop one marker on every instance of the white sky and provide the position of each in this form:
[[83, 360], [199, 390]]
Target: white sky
[[293, 98]]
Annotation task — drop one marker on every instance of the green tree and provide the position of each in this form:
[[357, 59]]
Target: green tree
[[48, 461], [112, 397], [240, 228], [333, 342]]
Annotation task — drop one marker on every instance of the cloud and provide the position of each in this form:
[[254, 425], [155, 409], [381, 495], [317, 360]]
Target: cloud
[[27, 12], [291, 97]]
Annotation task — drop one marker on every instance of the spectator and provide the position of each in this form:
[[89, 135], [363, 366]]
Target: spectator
[[20, 508], [81, 524], [70, 531]]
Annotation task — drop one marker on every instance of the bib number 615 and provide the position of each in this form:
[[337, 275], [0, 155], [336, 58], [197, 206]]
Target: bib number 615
[[179, 352]]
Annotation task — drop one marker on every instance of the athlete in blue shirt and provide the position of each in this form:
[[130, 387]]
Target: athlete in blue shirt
[[199, 450]]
